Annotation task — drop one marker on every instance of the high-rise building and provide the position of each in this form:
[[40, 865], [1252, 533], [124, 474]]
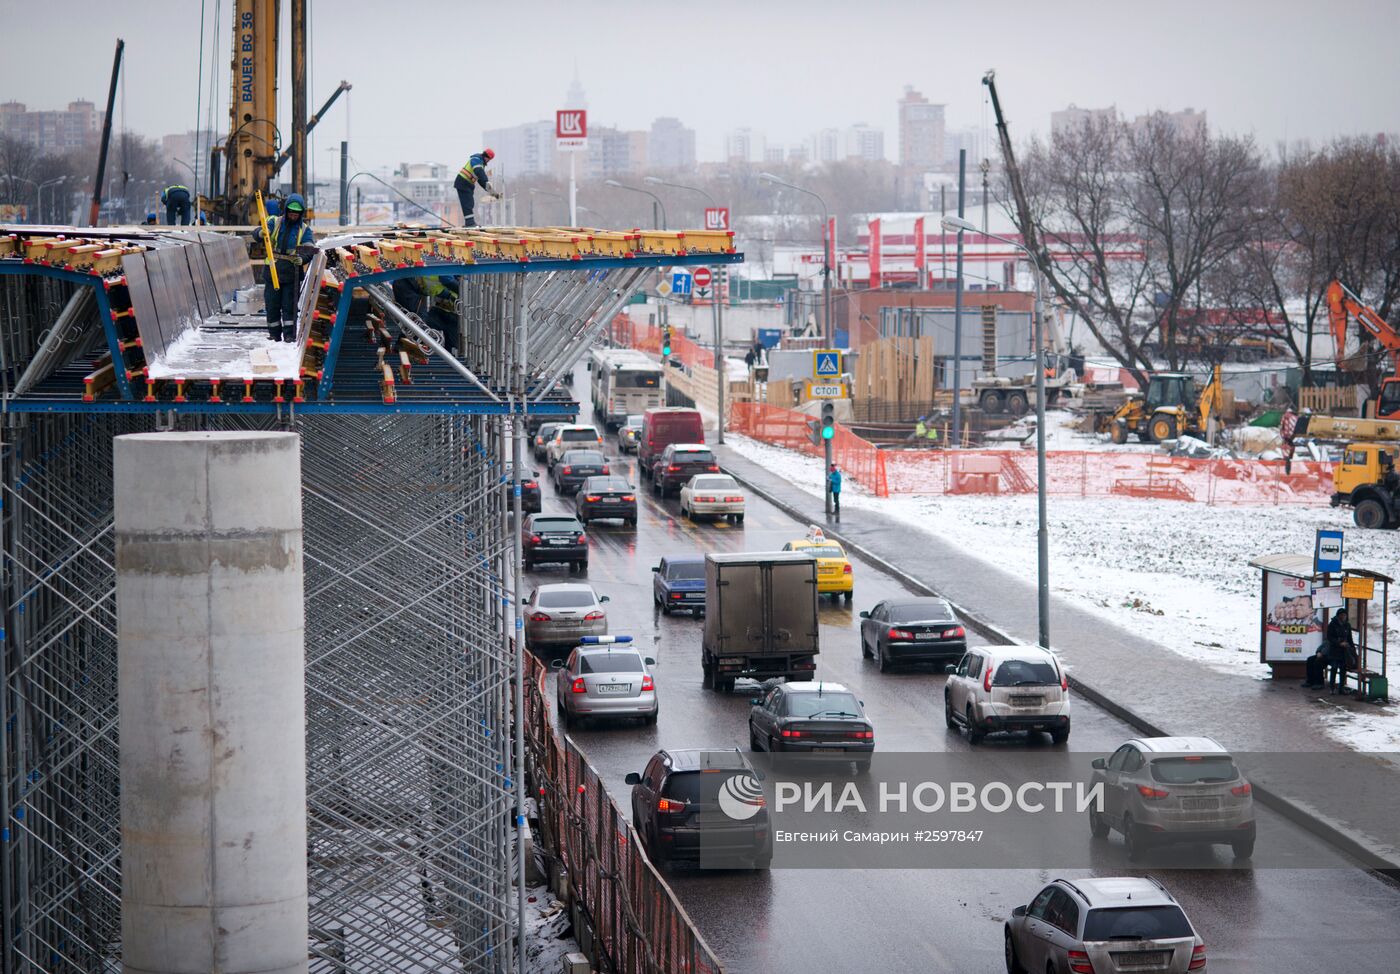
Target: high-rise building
[[575, 98], [774, 153], [611, 152], [970, 139], [864, 142], [52, 132], [920, 131], [191, 148], [670, 145], [1072, 118], [824, 146], [1187, 123], [521, 150], [745, 145]]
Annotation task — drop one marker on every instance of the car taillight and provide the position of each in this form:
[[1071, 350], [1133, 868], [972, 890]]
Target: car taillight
[[1079, 962], [705, 500], [901, 634], [1198, 958], [1064, 681], [1239, 791], [534, 539], [605, 468], [1152, 794], [669, 806], [861, 735], [578, 686], [539, 617], [713, 468], [532, 483], [987, 679], [846, 570], [567, 470], [792, 733], [629, 497], [647, 684], [593, 616], [591, 497], [734, 500], [582, 538], [957, 633], [673, 469]]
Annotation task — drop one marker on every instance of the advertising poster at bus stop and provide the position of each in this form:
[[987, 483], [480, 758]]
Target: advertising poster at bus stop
[[1292, 628]]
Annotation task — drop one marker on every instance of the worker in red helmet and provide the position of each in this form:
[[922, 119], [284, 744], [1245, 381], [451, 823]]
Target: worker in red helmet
[[469, 177]]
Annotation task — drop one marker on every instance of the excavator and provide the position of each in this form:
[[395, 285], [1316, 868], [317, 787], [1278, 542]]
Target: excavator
[[1342, 306], [1171, 407], [1366, 480]]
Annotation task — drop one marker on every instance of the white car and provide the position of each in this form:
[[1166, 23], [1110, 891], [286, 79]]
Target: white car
[[572, 438], [1007, 688], [712, 495]]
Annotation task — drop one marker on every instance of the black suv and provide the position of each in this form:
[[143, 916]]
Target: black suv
[[554, 537], [678, 463], [703, 806], [530, 501]]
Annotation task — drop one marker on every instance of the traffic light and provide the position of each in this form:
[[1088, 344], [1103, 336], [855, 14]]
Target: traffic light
[[828, 420], [666, 340]]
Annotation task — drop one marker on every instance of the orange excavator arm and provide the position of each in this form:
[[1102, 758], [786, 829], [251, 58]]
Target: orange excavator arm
[[1343, 305]]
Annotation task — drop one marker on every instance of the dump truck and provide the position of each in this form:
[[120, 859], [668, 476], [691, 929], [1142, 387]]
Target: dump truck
[[760, 617], [1366, 480]]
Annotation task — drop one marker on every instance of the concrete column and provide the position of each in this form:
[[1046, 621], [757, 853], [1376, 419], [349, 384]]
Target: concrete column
[[211, 697]]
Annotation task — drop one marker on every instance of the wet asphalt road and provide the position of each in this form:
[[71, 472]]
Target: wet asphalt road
[[806, 920]]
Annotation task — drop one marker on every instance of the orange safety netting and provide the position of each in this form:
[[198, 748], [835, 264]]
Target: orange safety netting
[[1070, 473], [647, 338]]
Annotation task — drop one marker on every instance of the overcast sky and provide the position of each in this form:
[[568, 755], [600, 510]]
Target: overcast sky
[[430, 75]]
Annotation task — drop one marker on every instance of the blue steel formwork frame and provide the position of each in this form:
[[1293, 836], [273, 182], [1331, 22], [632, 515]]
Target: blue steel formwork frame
[[409, 831]]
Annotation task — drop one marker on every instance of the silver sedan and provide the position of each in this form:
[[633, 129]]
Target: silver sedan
[[563, 614], [606, 677]]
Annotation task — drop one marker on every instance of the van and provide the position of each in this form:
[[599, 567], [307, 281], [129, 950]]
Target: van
[[662, 427]]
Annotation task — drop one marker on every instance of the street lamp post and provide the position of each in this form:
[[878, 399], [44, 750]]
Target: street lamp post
[[52, 182], [1042, 535], [544, 192], [21, 179], [655, 204], [827, 248]]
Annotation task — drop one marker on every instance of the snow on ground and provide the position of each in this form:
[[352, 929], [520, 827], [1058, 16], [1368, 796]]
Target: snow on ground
[[548, 934], [1177, 573], [225, 353]]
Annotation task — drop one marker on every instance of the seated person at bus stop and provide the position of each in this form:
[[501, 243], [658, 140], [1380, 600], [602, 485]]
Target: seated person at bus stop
[[1316, 670]]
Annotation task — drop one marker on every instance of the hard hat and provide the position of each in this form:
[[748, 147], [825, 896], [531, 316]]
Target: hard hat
[[295, 203], [489, 153]]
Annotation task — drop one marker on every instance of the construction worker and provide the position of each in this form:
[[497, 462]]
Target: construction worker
[[440, 297], [152, 219], [177, 204], [292, 247], [469, 177]]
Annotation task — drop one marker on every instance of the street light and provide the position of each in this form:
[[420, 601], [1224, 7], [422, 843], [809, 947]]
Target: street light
[[827, 248], [657, 181], [544, 192], [52, 182], [959, 225], [13, 179], [645, 192]]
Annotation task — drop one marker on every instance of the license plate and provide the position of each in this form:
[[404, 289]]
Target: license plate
[[1200, 803], [613, 687], [1026, 701], [612, 500], [557, 541], [1142, 960]]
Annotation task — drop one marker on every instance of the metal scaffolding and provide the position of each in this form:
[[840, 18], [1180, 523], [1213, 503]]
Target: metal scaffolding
[[412, 579]]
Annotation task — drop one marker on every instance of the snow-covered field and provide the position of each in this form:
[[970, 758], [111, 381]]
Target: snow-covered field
[[1175, 572]]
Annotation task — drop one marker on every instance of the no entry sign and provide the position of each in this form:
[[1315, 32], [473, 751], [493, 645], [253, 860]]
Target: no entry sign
[[702, 277]]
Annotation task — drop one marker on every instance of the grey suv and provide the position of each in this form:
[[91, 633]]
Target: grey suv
[[1159, 790], [1107, 924], [704, 806]]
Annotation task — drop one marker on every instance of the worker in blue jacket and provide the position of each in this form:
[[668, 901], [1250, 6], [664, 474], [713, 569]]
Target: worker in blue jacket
[[177, 204], [469, 177], [292, 248]]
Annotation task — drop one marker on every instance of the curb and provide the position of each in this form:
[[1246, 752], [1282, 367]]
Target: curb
[[1323, 827]]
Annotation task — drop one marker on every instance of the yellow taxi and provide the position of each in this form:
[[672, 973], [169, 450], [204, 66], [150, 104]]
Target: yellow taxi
[[835, 576]]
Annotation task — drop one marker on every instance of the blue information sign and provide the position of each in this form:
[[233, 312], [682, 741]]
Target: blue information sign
[[1327, 555], [680, 284]]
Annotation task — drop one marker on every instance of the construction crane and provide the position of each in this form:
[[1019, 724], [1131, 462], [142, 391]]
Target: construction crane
[[1342, 306], [253, 154], [1366, 480]]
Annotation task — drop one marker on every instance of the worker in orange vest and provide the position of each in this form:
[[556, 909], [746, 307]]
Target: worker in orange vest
[[469, 177]]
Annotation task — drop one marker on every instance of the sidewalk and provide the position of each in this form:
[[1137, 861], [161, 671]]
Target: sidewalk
[[1155, 690]]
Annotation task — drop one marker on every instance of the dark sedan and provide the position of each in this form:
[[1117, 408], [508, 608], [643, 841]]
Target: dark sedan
[[576, 466], [554, 537], [823, 719], [530, 500], [911, 631], [606, 497], [540, 441]]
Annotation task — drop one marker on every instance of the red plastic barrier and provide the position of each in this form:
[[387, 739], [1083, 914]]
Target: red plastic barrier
[[858, 459]]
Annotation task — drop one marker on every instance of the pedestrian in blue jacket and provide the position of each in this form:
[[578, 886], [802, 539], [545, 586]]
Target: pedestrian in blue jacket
[[833, 483]]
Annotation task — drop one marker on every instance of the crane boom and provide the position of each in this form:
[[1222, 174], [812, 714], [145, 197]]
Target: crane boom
[[1343, 305]]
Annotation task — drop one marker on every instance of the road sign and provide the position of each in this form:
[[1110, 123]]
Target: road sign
[[1327, 554], [826, 390], [680, 284], [826, 363], [702, 276], [663, 289], [571, 128], [1359, 587], [716, 218]]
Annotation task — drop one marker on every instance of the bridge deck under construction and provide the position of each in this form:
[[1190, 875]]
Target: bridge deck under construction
[[174, 319]]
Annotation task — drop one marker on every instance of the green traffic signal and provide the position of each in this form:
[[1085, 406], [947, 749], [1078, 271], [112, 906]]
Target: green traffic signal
[[828, 432], [665, 349]]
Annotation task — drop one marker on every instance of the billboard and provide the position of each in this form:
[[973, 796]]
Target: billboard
[[571, 128], [1292, 629]]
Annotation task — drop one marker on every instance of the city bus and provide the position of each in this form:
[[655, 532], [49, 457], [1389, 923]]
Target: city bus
[[624, 382]]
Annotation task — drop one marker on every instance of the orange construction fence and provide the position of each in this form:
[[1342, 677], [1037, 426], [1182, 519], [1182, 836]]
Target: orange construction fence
[[1070, 473], [647, 338]]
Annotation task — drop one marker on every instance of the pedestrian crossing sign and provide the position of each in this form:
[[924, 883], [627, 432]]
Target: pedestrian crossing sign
[[826, 363]]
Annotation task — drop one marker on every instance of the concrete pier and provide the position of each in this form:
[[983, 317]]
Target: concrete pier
[[210, 690]]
